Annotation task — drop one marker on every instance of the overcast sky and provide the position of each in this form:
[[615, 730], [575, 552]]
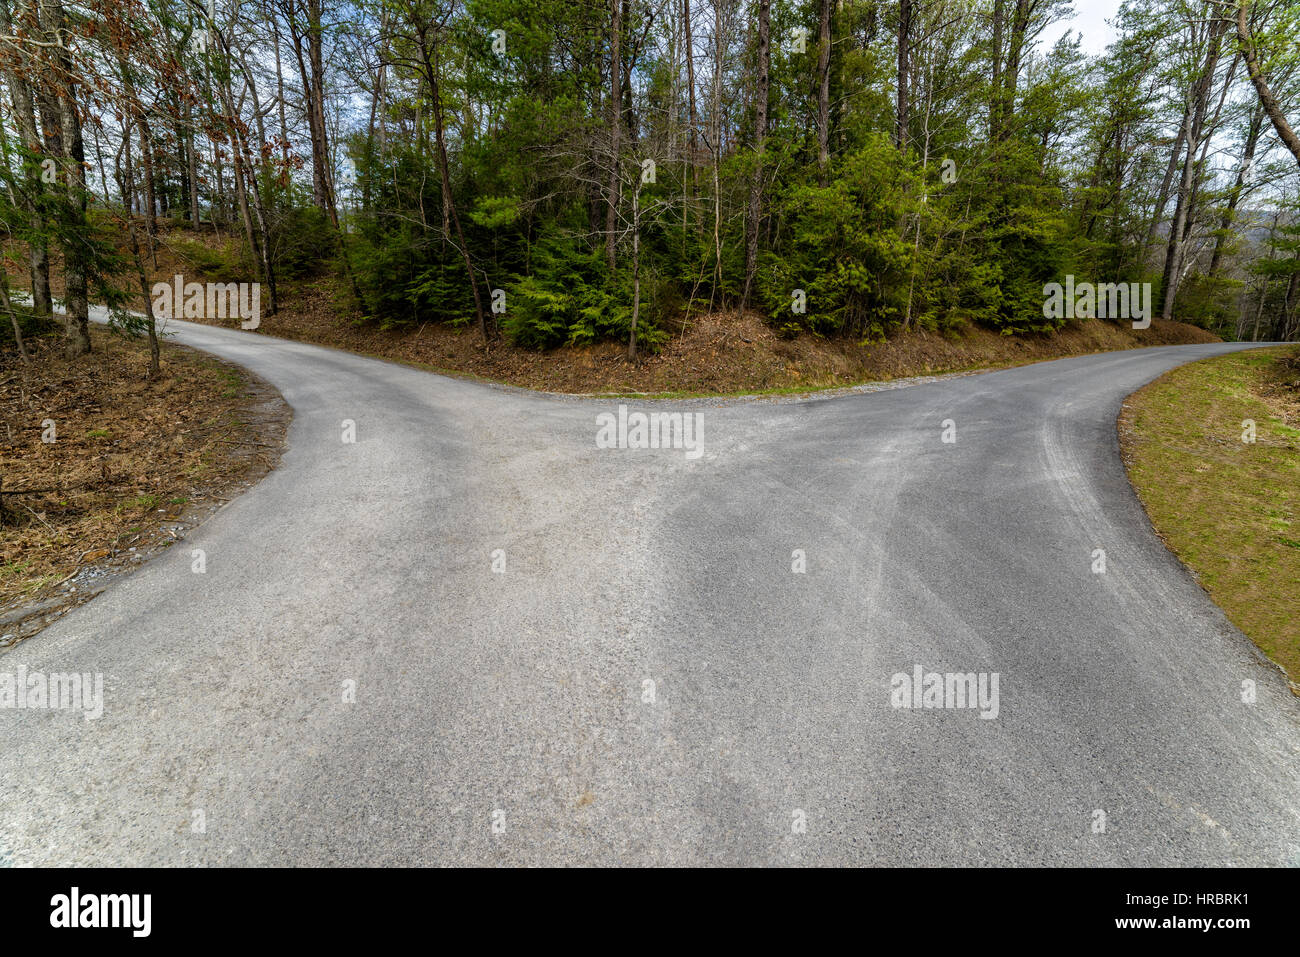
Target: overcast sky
[[1089, 19]]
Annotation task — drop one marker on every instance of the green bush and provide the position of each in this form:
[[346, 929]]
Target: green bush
[[31, 325], [1210, 303], [844, 250], [225, 263], [569, 300], [303, 242]]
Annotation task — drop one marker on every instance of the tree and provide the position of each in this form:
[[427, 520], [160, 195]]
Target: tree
[[760, 131], [1266, 98]]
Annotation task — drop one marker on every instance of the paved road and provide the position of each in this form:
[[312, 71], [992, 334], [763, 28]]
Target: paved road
[[519, 698]]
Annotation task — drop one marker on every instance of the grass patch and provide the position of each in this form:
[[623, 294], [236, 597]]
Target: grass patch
[[141, 501], [1227, 507]]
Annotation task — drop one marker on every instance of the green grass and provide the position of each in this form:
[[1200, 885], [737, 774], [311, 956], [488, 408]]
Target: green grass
[[14, 569], [1230, 510], [143, 501], [40, 582], [234, 383], [232, 379], [20, 570]]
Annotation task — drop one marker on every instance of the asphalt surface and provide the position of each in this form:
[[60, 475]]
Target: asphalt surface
[[503, 717]]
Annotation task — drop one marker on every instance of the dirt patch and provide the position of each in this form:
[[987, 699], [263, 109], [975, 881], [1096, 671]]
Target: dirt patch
[[102, 466], [721, 353]]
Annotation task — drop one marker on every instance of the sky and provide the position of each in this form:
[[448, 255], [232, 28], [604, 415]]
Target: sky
[[1089, 19]]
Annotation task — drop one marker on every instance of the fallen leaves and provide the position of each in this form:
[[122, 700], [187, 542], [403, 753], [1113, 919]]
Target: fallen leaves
[[126, 449]]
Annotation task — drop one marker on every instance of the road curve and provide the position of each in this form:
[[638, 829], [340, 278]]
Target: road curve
[[504, 717]]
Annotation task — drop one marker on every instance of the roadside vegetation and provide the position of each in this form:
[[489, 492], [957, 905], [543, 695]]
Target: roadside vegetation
[[1227, 506], [101, 461], [537, 177], [715, 354]]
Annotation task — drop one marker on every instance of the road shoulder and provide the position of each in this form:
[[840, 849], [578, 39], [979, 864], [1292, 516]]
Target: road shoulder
[[1213, 450]]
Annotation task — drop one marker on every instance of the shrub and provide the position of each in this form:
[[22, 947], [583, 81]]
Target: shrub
[[225, 263]]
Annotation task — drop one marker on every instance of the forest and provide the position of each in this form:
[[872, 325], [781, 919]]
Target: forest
[[551, 172]]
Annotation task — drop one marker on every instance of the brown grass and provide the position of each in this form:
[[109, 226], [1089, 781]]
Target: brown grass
[[131, 454], [723, 353]]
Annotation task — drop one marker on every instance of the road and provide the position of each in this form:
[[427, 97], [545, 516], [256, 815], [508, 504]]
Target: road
[[504, 716]]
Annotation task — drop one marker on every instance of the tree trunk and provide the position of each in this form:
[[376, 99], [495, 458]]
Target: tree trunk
[[146, 156], [1162, 199], [76, 321], [151, 324], [1011, 70], [435, 96], [1207, 136], [824, 92], [1200, 98], [24, 110], [279, 91], [311, 72], [192, 159], [1266, 97], [615, 125], [239, 175], [995, 90], [715, 148], [692, 118], [1234, 199], [1289, 307], [902, 117], [13, 316], [760, 132], [636, 269]]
